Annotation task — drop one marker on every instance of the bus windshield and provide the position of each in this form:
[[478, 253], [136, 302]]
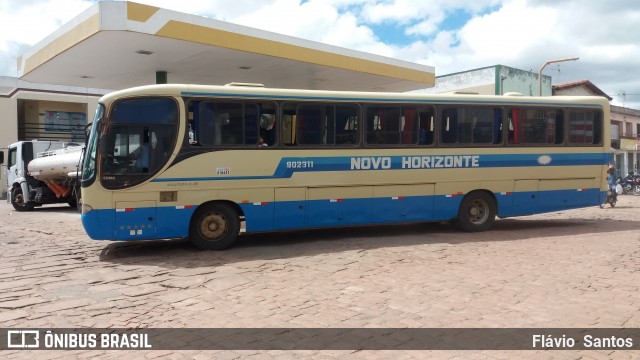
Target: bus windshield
[[89, 163], [138, 137]]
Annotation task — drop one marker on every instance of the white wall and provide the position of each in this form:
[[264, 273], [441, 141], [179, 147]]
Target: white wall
[[41, 97]]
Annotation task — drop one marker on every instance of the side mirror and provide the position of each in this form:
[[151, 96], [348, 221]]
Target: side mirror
[[1, 157]]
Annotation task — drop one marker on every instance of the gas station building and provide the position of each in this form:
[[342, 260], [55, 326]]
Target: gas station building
[[119, 44]]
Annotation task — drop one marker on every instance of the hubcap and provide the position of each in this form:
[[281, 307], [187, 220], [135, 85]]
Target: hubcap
[[478, 211], [213, 226]]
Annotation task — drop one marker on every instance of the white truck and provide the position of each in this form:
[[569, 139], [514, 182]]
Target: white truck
[[43, 172]]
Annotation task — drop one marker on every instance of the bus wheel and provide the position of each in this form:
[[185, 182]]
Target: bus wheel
[[17, 200], [214, 227], [477, 212]]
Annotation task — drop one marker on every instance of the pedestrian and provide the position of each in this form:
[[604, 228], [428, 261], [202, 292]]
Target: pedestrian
[[612, 182]]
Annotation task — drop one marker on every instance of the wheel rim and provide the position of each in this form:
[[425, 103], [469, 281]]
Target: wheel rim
[[213, 226], [478, 212]]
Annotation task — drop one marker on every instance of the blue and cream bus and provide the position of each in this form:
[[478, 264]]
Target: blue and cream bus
[[173, 161]]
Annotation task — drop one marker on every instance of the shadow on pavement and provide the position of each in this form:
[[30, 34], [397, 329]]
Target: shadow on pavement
[[180, 253]]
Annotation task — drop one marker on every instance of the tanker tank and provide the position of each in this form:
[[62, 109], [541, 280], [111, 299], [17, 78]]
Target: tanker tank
[[56, 165]]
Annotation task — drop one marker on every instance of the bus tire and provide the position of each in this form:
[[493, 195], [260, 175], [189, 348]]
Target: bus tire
[[17, 200], [477, 212], [214, 227]]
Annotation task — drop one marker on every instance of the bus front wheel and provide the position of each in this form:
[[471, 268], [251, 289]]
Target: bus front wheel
[[477, 212], [214, 227]]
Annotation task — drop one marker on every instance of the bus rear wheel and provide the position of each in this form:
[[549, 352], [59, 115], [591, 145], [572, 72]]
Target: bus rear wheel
[[477, 212], [214, 227]]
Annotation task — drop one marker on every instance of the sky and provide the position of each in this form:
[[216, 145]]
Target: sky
[[450, 35]]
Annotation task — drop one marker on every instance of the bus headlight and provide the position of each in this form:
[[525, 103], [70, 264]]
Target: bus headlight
[[86, 208]]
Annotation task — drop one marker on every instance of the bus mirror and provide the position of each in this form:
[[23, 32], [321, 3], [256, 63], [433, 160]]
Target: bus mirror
[[1, 157]]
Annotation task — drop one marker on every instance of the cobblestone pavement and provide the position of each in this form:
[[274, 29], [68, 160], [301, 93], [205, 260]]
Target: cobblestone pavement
[[576, 268]]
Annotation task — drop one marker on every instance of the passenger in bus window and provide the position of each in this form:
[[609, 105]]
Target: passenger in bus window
[[261, 142], [140, 156], [267, 126]]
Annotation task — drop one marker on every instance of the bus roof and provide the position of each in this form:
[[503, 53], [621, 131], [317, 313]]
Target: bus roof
[[255, 91]]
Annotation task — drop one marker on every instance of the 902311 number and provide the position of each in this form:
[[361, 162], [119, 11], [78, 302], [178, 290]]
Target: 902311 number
[[300, 164]]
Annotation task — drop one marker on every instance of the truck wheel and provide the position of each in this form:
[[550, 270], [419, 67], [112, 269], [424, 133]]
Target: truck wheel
[[17, 200], [477, 212], [79, 204], [214, 227]]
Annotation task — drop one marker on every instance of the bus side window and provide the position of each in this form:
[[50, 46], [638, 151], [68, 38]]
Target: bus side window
[[449, 126], [585, 127], [559, 126], [206, 126], [267, 129], [513, 125], [497, 126], [346, 125], [486, 125], [192, 121], [320, 124], [289, 124], [383, 125], [315, 124], [425, 134], [408, 126], [251, 124], [221, 123], [536, 126]]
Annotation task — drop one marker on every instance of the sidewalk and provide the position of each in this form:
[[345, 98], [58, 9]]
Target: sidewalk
[[575, 268]]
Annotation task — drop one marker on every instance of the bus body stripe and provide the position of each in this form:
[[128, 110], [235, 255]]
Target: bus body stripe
[[174, 223], [344, 163]]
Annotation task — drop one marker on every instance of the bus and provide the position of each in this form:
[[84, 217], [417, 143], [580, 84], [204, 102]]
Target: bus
[[210, 162]]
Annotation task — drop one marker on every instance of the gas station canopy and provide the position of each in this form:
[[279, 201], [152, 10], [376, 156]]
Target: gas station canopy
[[115, 45]]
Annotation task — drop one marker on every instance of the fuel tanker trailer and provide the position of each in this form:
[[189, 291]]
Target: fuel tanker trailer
[[43, 172]]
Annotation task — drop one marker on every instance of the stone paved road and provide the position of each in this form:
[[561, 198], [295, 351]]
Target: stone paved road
[[577, 268]]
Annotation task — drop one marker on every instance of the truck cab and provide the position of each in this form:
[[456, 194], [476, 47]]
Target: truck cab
[[18, 156]]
